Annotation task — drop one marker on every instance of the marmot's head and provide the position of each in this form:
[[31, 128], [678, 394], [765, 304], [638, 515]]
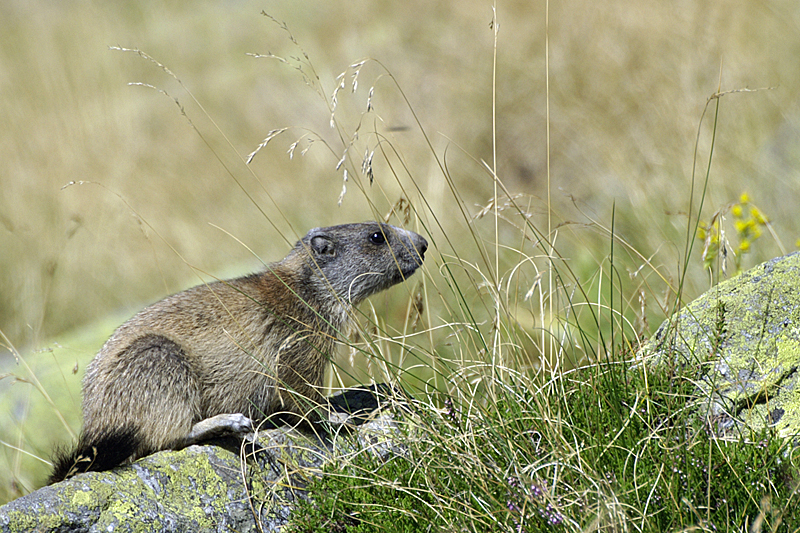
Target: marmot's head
[[358, 260]]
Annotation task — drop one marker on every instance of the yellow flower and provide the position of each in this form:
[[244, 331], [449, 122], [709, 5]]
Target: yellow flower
[[701, 233], [758, 216], [744, 246], [742, 226], [744, 198]]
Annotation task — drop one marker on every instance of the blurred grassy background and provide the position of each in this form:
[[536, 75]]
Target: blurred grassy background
[[628, 84]]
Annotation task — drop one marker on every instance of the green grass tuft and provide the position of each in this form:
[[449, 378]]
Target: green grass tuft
[[605, 448]]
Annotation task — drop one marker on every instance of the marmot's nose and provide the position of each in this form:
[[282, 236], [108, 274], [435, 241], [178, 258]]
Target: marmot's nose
[[421, 246], [417, 241]]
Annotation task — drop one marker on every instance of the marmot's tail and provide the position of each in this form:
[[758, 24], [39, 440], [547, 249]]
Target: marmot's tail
[[95, 453]]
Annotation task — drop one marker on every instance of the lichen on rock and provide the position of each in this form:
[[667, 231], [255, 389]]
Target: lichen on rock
[[744, 337], [222, 487]]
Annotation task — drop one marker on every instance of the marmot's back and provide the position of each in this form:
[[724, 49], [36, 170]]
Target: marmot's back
[[255, 345]]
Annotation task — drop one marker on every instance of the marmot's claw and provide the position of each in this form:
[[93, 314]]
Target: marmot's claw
[[238, 423]]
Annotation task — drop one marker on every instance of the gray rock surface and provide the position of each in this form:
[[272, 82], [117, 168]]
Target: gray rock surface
[[207, 488], [744, 338]]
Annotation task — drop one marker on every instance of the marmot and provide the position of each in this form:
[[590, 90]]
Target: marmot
[[216, 357]]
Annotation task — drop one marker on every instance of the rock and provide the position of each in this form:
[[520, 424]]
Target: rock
[[206, 488], [744, 338]]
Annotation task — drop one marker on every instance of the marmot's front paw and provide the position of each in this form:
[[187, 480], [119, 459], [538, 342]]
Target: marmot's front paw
[[219, 426], [237, 423]]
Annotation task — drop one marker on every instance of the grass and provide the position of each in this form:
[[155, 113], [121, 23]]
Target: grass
[[604, 448], [559, 200]]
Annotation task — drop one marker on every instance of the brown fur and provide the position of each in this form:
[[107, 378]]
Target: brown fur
[[256, 345]]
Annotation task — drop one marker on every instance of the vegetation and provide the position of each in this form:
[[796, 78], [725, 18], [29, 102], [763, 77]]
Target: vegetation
[[559, 163], [605, 448]]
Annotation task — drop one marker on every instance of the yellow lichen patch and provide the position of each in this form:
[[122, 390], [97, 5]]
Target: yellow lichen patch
[[82, 497]]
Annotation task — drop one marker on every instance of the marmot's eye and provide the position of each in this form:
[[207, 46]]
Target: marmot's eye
[[377, 238]]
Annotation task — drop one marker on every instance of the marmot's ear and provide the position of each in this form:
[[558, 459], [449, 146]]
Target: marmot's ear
[[322, 245]]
